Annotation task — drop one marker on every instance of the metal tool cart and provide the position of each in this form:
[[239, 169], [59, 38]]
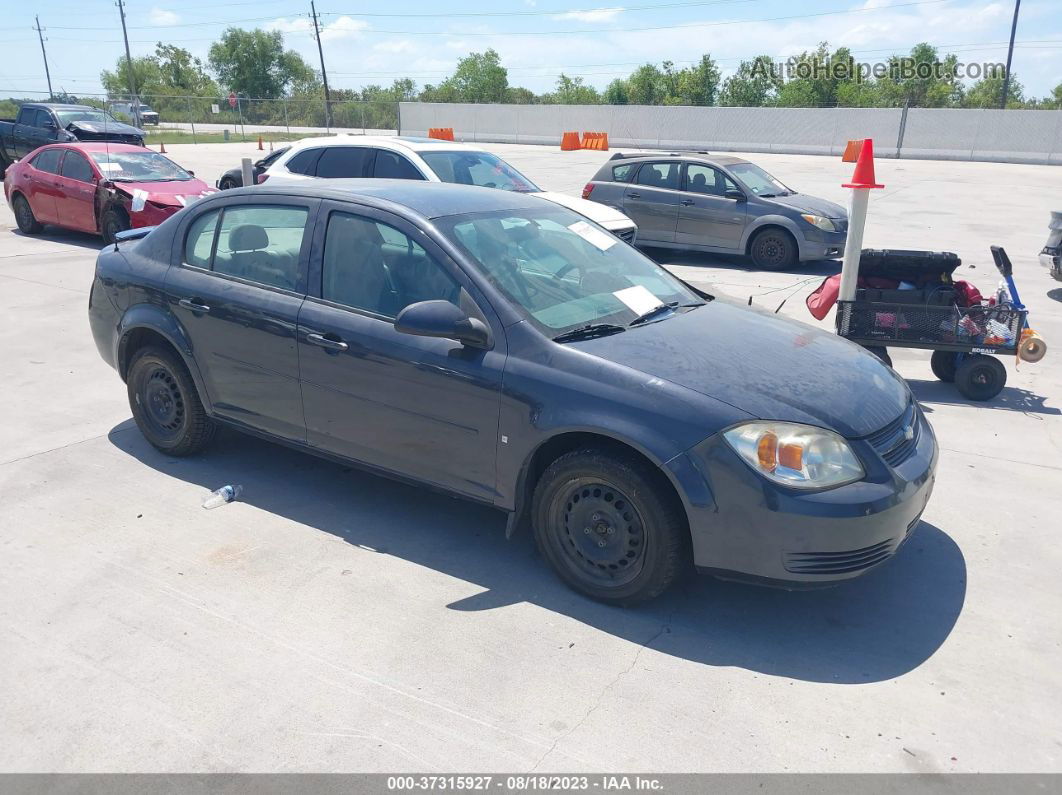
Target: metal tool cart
[[930, 314]]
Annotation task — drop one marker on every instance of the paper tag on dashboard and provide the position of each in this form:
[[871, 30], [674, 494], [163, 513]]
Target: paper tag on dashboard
[[595, 237], [638, 299]]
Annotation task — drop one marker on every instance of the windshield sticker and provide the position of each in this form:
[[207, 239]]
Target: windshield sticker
[[638, 299], [139, 199], [107, 165], [595, 237]]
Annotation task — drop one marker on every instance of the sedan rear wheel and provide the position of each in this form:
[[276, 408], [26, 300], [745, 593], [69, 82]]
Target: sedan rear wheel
[[608, 527], [27, 222], [165, 404]]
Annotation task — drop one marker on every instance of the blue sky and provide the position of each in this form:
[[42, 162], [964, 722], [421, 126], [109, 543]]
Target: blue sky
[[372, 41]]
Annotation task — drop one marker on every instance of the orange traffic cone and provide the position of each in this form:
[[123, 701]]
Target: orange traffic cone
[[260, 147], [864, 170]]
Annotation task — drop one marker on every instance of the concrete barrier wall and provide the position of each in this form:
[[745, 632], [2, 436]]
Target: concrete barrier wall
[[1008, 136]]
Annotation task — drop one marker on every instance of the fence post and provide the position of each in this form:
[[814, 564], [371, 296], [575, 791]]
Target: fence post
[[287, 126], [903, 127], [361, 111], [398, 118], [191, 118]]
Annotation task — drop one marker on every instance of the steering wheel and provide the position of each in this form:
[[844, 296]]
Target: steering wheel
[[559, 275]]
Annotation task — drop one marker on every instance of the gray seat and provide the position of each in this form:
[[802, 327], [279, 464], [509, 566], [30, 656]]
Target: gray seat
[[250, 260], [354, 270]]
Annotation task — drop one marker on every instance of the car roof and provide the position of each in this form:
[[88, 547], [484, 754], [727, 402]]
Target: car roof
[[407, 142], [102, 146], [58, 106], [427, 199], [717, 160]]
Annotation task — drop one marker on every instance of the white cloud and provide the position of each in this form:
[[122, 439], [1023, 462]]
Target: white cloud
[[160, 16], [341, 28], [295, 25], [591, 15], [394, 46]]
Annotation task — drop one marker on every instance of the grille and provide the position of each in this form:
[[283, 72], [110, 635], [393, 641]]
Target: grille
[[111, 137], [626, 235], [882, 323], [896, 442], [837, 562]]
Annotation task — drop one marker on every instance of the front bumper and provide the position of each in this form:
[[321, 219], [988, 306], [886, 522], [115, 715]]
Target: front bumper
[[818, 244], [1051, 258], [747, 528]]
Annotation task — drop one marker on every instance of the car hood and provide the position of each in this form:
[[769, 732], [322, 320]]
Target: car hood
[[769, 366], [177, 194], [99, 128], [602, 214], [810, 204]]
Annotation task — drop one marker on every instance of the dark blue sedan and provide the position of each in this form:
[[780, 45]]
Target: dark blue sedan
[[505, 349]]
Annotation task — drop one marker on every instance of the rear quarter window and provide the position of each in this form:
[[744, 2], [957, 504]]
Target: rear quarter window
[[623, 173], [303, 162]]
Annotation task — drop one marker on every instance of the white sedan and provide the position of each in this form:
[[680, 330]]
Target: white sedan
[[398, 157]]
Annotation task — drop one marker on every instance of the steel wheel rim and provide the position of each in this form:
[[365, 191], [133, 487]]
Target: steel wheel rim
[[600, 534], [770, 249], [162, 402], [23, 213]]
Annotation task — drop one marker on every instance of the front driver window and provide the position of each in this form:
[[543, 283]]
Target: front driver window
[[705, 179], [377, 268]]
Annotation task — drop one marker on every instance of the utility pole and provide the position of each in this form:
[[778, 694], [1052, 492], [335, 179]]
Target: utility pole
[[44, 52], [324, 74], [135, 100], [1010, 56]]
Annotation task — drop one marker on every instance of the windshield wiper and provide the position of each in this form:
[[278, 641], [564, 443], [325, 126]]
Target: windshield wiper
[[589, 331], [659, 310]]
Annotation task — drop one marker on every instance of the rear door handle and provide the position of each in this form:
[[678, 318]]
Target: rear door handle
[[329, 343], [192, 305], [687, 202]]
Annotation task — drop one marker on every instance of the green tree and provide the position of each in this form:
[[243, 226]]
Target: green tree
[[988, 92], [616, 93], [756, 83], [517, 95], [147, 76], [698, 85], [255, 63], [921, 79], [1055, 100], [572, 91], [646, 86], [182, 73], [479, 77]]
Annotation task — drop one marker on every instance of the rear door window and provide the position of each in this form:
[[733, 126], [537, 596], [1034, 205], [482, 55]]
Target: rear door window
[[659, 175], [48, 161], [261, 243], [77, 167], [344, 161], [199, 241]]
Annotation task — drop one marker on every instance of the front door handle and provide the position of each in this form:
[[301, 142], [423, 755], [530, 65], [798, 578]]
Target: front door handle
[[687, 202], [194, 306], [329, 343], [634, 195]]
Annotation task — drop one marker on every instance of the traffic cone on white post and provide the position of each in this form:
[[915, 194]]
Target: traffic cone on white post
[[861, 185]]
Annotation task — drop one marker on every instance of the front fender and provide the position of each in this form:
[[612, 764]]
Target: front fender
[[154, 318], [773, 219]]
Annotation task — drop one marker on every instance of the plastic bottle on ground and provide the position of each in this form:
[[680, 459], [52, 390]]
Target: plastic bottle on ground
[[221, 496]]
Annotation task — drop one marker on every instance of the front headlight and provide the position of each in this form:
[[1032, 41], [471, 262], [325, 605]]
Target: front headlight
[[823, 223], [800, 456]]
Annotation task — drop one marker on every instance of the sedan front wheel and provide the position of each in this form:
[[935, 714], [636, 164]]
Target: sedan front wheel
[[608, 527]]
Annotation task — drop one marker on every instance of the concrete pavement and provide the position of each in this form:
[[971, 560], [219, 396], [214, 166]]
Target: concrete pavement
[[335, 621]]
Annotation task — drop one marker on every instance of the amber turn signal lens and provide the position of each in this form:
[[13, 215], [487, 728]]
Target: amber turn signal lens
[[791, 456], [767, 452]]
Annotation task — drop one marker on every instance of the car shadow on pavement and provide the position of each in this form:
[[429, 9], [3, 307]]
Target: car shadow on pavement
[[56, 234], [875, 628], [1055, 294], [1010, 398], [698, 259]]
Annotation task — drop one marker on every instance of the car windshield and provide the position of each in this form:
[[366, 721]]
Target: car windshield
[[67, 117], [478, 168], [143, 166], [562, 272], [759, 181]]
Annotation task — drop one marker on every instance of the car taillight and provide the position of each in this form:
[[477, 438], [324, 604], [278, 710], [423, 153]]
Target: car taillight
[[588, 190], [262, 178]]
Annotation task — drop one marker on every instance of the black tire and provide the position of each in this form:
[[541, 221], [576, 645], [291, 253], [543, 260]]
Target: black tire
[[980, 377], [608, 528], [165, 403], [227, 184], [27, 222], [944, 365], [114, 221], [773, 249], [881, 352]]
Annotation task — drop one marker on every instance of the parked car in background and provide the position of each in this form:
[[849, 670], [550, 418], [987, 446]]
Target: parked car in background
[[98, 188], [500, 347], [403, 157], [127, 109], [233, 178], [40, 123], [722, 204]]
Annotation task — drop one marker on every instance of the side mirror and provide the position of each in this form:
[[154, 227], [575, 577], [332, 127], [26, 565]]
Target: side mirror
[[106, 184], [443, 319], [735, 194], [192, 173], [50, 125]]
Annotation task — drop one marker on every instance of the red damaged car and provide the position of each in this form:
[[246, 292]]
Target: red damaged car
[[103, 188]]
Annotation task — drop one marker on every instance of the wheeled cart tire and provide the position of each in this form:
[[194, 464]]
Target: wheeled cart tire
[[944, 364], [980, 377]]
